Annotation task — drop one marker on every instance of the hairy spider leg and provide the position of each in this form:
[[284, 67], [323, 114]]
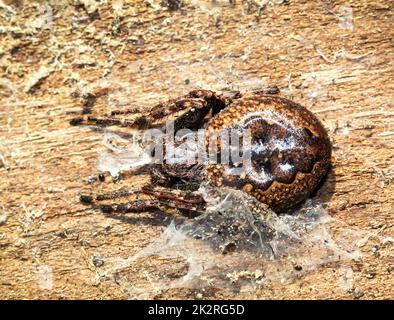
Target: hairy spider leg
[[268, 90], [194, 108], [177, 199], [187, 112], [158, 109], [230, 95], [134, 206], [155, 118]]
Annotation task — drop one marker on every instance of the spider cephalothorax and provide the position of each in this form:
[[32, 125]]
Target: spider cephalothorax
[[289, 150]]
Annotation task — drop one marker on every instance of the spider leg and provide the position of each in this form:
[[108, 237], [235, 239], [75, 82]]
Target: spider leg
[[163, 112], [185, 112], [180, 199], [231, 95], [107, 121], [155, 118], [90, 199], [133, 206], [187, 107], [127, 111], [171, 198], [165, 109], [264, 91]]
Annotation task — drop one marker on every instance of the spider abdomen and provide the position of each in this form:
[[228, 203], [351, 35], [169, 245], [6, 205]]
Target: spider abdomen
[[289, 151]]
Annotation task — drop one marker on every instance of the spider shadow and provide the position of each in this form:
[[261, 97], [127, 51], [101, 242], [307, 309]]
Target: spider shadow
[[321, 195], [326, 188]]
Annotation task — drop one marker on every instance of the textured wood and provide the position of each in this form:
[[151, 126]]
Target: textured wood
[[53, 67]]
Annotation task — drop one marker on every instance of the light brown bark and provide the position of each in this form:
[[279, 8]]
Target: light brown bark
[[339, 65]]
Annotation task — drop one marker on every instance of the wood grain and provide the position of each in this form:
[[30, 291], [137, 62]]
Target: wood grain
[[339, 65]]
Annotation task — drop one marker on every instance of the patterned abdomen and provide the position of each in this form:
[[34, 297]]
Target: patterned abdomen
[[289, 151]]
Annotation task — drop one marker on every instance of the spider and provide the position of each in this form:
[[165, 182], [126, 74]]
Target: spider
[[290, 151]]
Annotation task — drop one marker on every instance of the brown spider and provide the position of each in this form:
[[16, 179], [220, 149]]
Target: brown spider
[[290, 151]]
